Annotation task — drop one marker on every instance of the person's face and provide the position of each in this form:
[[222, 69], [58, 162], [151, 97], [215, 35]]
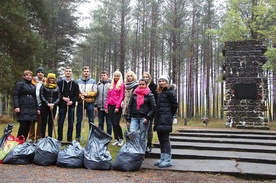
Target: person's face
[[86, 73], [162, 83], [142, 84], [145, 76], [40, 75], [28, 77], [116, 77], [130, 78], [104, 77], [51, 80], [68, 73]]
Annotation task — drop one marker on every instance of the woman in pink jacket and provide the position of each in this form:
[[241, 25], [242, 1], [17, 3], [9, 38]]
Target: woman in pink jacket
[[115, 97]]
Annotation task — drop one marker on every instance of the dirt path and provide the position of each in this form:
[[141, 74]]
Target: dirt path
[[35, 173]]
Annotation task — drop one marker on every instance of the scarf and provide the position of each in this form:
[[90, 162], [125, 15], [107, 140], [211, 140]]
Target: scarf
[[141, 93], [131, 84], [51, 85]]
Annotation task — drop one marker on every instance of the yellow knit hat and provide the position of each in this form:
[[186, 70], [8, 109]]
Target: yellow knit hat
[[51, 75]]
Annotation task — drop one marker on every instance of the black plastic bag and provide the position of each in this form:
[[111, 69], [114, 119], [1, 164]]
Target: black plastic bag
[[7, 132], [46, 151], [72, 156], [131, 156], [96, 155], [21, 154]]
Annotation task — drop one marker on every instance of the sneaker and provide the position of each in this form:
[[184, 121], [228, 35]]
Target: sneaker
[[148, 150], [121, 142], [115, 142]]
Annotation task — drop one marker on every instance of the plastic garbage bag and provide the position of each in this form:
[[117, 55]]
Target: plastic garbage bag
[[46, 151], [131, 155], [96, 155], [21, 154], [7, 132], [72, 156]]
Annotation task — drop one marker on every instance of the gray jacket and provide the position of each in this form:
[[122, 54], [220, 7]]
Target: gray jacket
[[102, 90]]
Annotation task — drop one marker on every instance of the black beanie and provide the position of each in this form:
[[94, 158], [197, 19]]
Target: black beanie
[[39, 69]]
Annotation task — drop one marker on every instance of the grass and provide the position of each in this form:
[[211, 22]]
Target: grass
[[192, 123]]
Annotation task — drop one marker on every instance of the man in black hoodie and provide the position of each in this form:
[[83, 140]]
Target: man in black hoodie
[[69, 90]]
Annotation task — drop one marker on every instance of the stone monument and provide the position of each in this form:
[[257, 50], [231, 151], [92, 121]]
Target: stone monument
[[245, 84]]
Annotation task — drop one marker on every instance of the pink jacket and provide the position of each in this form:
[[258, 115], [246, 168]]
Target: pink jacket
[[115, 97]]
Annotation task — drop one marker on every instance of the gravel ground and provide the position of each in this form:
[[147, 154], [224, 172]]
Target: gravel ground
[[35, 173]]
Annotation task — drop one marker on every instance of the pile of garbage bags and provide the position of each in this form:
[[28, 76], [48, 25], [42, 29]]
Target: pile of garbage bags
[[95, 155]]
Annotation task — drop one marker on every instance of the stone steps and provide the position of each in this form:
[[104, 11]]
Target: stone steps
[[243, 153]]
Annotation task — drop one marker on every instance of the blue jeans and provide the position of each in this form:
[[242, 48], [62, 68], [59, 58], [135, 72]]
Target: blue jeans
[[89, 107], [137, 124], [101, 115], [71, 115]]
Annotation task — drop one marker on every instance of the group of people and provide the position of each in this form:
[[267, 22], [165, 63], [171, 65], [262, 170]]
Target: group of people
[[144, 105]]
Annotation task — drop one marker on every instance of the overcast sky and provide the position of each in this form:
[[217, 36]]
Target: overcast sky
[[85, 9]]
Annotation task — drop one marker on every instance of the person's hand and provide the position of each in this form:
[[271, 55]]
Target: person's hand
[[69, 103], [66, 99], [84, 94], [145, 121], [106, 110], [116, 110], [51, 106], [128, 123], [17, 110], [95, 109], [38, 112]]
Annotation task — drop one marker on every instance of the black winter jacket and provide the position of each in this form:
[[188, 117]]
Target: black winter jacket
[[153, 89], [166, 108], [49, 95], [147, 110], [70, 89], [24, 98]]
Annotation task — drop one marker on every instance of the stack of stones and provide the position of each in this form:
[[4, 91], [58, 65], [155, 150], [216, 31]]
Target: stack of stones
[[245, 84]]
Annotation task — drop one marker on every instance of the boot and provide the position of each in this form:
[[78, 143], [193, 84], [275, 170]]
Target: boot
[[162, 156], [167, 161]]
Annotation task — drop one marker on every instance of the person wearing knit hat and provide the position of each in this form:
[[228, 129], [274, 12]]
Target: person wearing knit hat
[[38, 81], [51, 75], [165, 109], [50, 97], [164, 77], [40, 69]]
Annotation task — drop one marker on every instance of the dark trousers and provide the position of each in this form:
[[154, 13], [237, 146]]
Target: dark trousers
[[115, 119], [47, 119], [164, 141], [24, 128], [101, 115], [71, 115], [150, 134]]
